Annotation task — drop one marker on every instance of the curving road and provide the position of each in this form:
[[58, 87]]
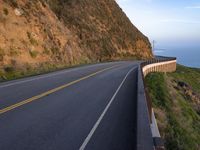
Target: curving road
[[91, 107]]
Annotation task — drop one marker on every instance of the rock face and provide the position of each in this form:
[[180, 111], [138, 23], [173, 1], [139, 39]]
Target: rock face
[[66, 32]]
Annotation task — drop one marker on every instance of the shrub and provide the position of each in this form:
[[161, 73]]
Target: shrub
[[33, 54], [13, 62], [13, 3], [5, 11], [46, 51], [31, 39], [29, 35], [56, 6], [13, 51], [43, 3], [9, 69], [2, 53], [55, 50]]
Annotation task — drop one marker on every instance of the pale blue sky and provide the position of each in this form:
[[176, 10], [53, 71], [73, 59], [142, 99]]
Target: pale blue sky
[[168, 22]]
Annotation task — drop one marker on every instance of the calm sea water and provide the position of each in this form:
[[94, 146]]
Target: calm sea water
[[186, 56]]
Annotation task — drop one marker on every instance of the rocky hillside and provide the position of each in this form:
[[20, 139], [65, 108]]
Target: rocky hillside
[[103, 29], [44, 34]]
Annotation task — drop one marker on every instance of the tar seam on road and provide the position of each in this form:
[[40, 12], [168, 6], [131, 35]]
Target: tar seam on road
[[4, 110], [86, 141]]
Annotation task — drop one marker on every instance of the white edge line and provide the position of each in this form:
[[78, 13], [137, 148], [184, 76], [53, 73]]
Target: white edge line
[[86, 141], [41, 76], [36, 78]]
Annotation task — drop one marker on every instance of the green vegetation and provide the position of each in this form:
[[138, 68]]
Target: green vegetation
[[32, 40], [176, 110], [189, 75], [9, 69], [46, 51], [13, 51], [2, 53], [56, 5], [55, 50], [158, 89], [10, 73], [33, 54], [13, 3], [5, 11]]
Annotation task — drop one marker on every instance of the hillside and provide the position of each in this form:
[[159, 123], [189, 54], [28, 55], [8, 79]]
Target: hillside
[[42, 35], [103, 29], [176, 103]]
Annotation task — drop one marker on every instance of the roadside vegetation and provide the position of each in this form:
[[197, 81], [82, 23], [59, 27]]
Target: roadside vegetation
[[10, 72], [176, 102]]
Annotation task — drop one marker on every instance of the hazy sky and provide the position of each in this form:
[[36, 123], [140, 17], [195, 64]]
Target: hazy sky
[[166, 21]]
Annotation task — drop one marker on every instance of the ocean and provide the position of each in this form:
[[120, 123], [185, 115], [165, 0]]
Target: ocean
[[186, 56]]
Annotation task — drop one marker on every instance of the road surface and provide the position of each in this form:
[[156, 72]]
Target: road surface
[[91, 107]]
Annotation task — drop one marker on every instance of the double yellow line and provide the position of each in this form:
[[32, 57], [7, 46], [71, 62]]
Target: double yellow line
[[34, 98]]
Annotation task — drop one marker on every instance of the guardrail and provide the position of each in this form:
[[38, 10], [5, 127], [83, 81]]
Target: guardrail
[[148, 138]]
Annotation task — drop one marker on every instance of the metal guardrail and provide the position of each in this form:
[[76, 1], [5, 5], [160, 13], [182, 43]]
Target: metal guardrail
[[157, 60], [144, 106]]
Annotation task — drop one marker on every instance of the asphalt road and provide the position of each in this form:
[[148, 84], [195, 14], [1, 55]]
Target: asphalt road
[[91, 107]]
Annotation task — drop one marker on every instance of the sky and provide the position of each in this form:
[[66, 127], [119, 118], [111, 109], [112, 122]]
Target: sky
[[171, 23]]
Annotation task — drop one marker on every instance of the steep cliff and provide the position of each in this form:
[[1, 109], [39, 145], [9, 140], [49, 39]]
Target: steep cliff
[[44, 34], [102, 28]]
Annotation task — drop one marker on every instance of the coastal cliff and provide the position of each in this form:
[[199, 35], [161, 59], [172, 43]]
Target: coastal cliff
[[176, 102], [47, 34]]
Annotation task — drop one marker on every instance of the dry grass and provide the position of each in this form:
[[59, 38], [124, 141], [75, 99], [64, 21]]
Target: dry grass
[[103, 29]]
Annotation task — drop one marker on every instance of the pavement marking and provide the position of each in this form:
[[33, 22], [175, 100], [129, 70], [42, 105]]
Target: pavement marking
[[4, 110], [41, 77], [86, 141]]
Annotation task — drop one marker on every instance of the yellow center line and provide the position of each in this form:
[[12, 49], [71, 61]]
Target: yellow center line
[[29, 100]]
